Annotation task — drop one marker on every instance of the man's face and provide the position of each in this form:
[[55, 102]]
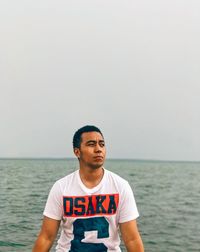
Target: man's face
[[92, 150]]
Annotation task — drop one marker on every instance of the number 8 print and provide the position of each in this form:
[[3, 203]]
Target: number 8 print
[[81, 226]]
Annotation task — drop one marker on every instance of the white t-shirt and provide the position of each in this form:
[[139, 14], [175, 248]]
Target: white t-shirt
[[90, 217]]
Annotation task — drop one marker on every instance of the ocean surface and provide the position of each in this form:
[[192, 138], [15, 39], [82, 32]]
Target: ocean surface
[[167, 196]]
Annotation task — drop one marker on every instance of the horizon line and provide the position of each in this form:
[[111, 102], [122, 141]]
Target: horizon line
[[128, 159]]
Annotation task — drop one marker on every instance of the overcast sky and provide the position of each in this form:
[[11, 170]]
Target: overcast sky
[[131, 68]]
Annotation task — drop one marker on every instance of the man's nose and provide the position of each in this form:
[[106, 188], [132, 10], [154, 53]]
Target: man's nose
[[98, 148]]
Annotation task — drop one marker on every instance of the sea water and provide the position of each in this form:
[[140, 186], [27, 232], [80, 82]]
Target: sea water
[[167, 196]]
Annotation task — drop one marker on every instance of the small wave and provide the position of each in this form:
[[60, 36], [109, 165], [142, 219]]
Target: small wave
[[11, 244]]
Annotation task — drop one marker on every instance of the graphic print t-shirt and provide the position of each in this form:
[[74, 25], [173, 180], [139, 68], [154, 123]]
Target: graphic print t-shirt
[[90, 217]]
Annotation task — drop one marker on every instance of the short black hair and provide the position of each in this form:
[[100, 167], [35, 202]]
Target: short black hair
[[79, 132]]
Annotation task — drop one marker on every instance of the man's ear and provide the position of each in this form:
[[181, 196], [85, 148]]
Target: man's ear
[[77, 152]]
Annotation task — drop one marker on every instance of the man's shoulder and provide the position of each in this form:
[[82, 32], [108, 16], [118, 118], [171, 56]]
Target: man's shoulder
[[66, 178], [116, 177]]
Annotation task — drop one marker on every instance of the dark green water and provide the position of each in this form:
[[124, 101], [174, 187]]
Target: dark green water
[[167, 195]]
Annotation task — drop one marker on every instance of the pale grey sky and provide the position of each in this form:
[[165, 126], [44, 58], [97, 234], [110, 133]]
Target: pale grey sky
[[131, 68]]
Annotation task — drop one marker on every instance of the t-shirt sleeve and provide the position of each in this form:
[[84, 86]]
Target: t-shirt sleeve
[[53, 208], [128, 208]]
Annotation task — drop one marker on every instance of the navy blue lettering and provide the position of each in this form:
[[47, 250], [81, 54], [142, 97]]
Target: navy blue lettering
[[79, 206], [100, 208], [90, 209], [112, 205], [65, 206]]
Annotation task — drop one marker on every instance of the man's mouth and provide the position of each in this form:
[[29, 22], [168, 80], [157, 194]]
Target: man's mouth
[[98, 158]]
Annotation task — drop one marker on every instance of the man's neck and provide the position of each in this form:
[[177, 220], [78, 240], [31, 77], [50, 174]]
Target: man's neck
[[91, 177]]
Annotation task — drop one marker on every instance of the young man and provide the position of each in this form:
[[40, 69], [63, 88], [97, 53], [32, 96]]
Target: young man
[[91, 203]]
